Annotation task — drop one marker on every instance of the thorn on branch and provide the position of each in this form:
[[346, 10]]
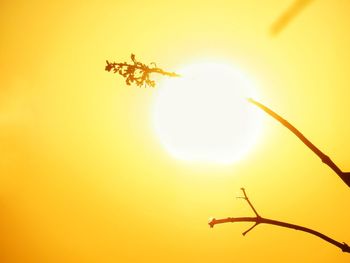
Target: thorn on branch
[[137, 72]]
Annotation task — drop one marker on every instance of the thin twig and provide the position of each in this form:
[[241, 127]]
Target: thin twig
[[288, 15], [249, 203], [261, 220], [251, 228], [345, 176]]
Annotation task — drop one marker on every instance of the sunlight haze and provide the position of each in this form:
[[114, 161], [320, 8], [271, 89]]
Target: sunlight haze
[[85, 176], [204, 114]]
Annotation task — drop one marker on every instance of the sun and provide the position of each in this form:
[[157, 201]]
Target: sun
[[204, 115]]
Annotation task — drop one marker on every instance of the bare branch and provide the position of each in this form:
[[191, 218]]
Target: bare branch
[[345, 176], [251, 228], [250, 204], [254, 210], [261, 220], [343, 246], [137, 72], [288, 15]]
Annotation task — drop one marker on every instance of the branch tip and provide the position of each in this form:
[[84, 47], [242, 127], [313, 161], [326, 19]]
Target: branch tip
[[211, 222], [251, 228], [345, 248]]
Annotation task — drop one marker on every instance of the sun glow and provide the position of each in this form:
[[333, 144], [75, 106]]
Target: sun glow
[[204, 114]]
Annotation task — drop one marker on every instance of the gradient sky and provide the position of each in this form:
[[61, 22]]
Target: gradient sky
[[84, 177]]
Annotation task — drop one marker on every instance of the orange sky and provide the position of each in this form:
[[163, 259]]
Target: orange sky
[[84, 177]]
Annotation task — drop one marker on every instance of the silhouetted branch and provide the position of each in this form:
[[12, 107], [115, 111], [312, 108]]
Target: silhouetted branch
[[137, 72], [261, 220], [288, 15], [345, 176], [248, 201]]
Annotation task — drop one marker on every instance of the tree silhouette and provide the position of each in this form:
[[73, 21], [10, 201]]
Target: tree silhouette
[[138, 73]]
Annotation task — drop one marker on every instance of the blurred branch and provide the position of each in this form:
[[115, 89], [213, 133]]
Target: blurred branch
[[288, 15], [345, 176], [261, 220], [137, 72]]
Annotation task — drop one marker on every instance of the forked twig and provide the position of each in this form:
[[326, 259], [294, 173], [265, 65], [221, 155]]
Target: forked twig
[[137, 72], [261, 220], [345, 176]]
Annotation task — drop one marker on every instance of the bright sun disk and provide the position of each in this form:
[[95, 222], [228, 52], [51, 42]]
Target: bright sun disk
[[204, 115]]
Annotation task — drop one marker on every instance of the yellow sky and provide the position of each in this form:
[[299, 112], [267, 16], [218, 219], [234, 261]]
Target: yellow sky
[[83, 175]]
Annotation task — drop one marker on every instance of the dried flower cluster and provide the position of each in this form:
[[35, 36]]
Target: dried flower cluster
[[137, 72]]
